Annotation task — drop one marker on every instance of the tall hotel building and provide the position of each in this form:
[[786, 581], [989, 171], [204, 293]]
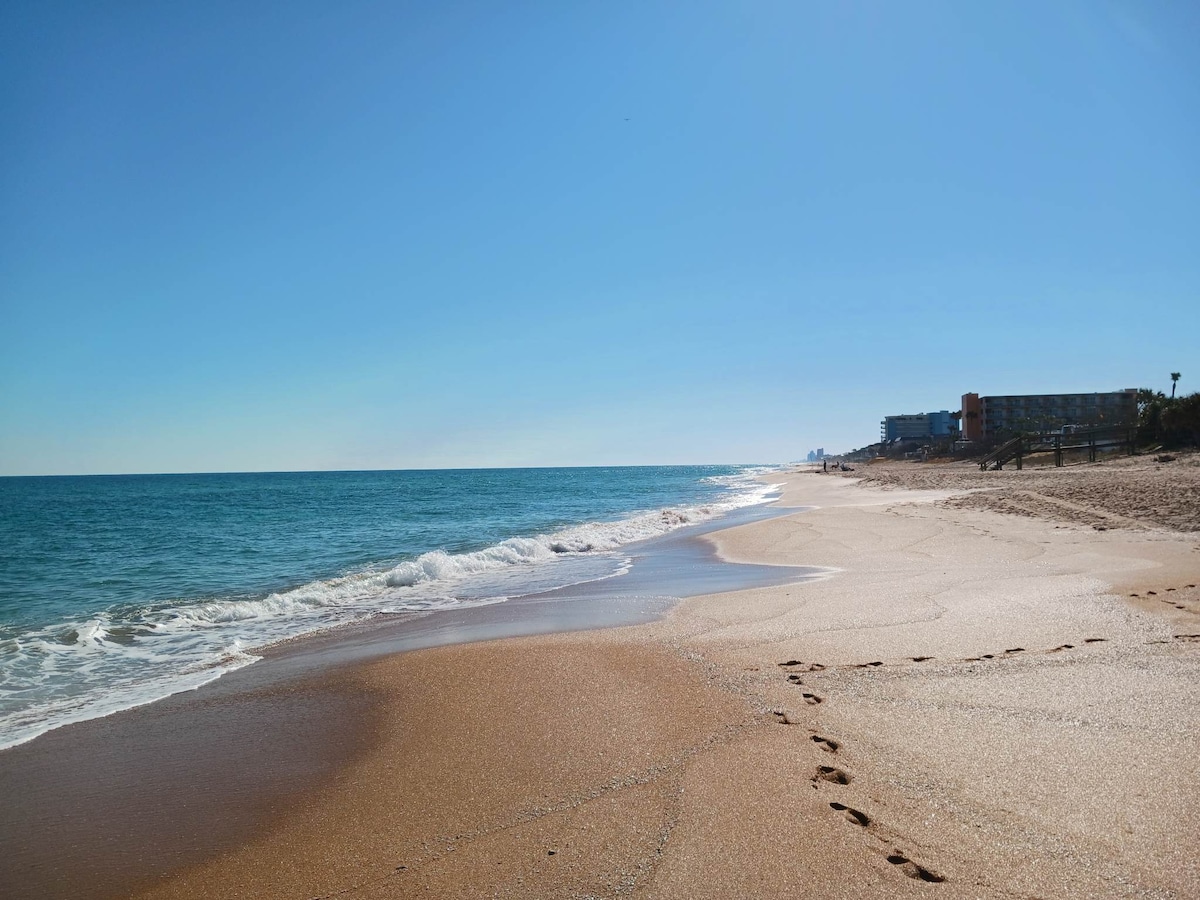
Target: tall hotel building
[[987, 417]]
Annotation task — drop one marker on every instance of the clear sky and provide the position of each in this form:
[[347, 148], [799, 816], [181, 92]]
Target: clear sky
[[270, 236]]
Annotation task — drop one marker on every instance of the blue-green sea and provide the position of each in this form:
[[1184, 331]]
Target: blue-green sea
[[120, 590]]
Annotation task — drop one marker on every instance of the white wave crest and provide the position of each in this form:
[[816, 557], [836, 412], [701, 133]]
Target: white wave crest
[[440, 565]]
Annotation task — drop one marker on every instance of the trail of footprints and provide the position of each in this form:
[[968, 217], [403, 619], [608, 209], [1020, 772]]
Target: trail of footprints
[[834, 775], [1008, 653], [837, 776], [1170, 602], [1011, 651]]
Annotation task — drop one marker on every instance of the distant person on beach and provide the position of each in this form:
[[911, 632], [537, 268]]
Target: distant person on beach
[[824, 465]]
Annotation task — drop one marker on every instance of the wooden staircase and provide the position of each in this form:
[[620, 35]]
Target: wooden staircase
[[1002, 454]]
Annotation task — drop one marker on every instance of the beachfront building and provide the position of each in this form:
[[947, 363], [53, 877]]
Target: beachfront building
[[994, 416], [918, 426]]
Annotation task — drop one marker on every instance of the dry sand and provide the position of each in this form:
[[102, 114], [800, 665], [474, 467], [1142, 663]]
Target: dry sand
[[971, 705], [1123, 491]]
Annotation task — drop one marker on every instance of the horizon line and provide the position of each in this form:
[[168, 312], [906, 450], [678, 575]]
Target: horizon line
[[400, 469]]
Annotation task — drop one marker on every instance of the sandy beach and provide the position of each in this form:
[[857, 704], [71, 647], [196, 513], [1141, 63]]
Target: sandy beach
[[971, 704]]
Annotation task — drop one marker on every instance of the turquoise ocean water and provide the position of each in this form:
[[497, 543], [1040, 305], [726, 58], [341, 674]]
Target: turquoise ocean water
[[119, 590]]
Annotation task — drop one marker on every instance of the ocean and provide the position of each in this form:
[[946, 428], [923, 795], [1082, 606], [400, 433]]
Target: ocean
[[120, 590]]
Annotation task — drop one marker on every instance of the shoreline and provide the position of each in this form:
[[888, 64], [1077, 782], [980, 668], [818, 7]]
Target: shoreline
[[675, 558], [966, 699], [95, 788], [88, 647]]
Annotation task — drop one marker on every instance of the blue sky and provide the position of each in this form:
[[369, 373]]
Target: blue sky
[[270, 236]]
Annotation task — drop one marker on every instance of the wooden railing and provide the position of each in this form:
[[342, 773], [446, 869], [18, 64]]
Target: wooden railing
[[1093, 440], [1002, 454]]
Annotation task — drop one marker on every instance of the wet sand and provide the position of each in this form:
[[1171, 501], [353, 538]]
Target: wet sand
[[971, 705]]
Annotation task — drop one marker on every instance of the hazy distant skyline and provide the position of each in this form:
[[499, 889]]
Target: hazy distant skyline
[[239, 237]]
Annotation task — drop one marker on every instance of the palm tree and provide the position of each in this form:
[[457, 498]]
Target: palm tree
[[1174, 378]]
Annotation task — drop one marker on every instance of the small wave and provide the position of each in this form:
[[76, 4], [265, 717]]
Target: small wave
[[440, 565]]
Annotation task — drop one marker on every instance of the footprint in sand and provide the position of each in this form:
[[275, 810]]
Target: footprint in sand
[[827, 744], [913, 870], [1094, 640], [1015, 650], [853, 815], [833, 774], [812, 699], [812, 667], [1063, 647], [869, 665], [920, 658], [794, 679]]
